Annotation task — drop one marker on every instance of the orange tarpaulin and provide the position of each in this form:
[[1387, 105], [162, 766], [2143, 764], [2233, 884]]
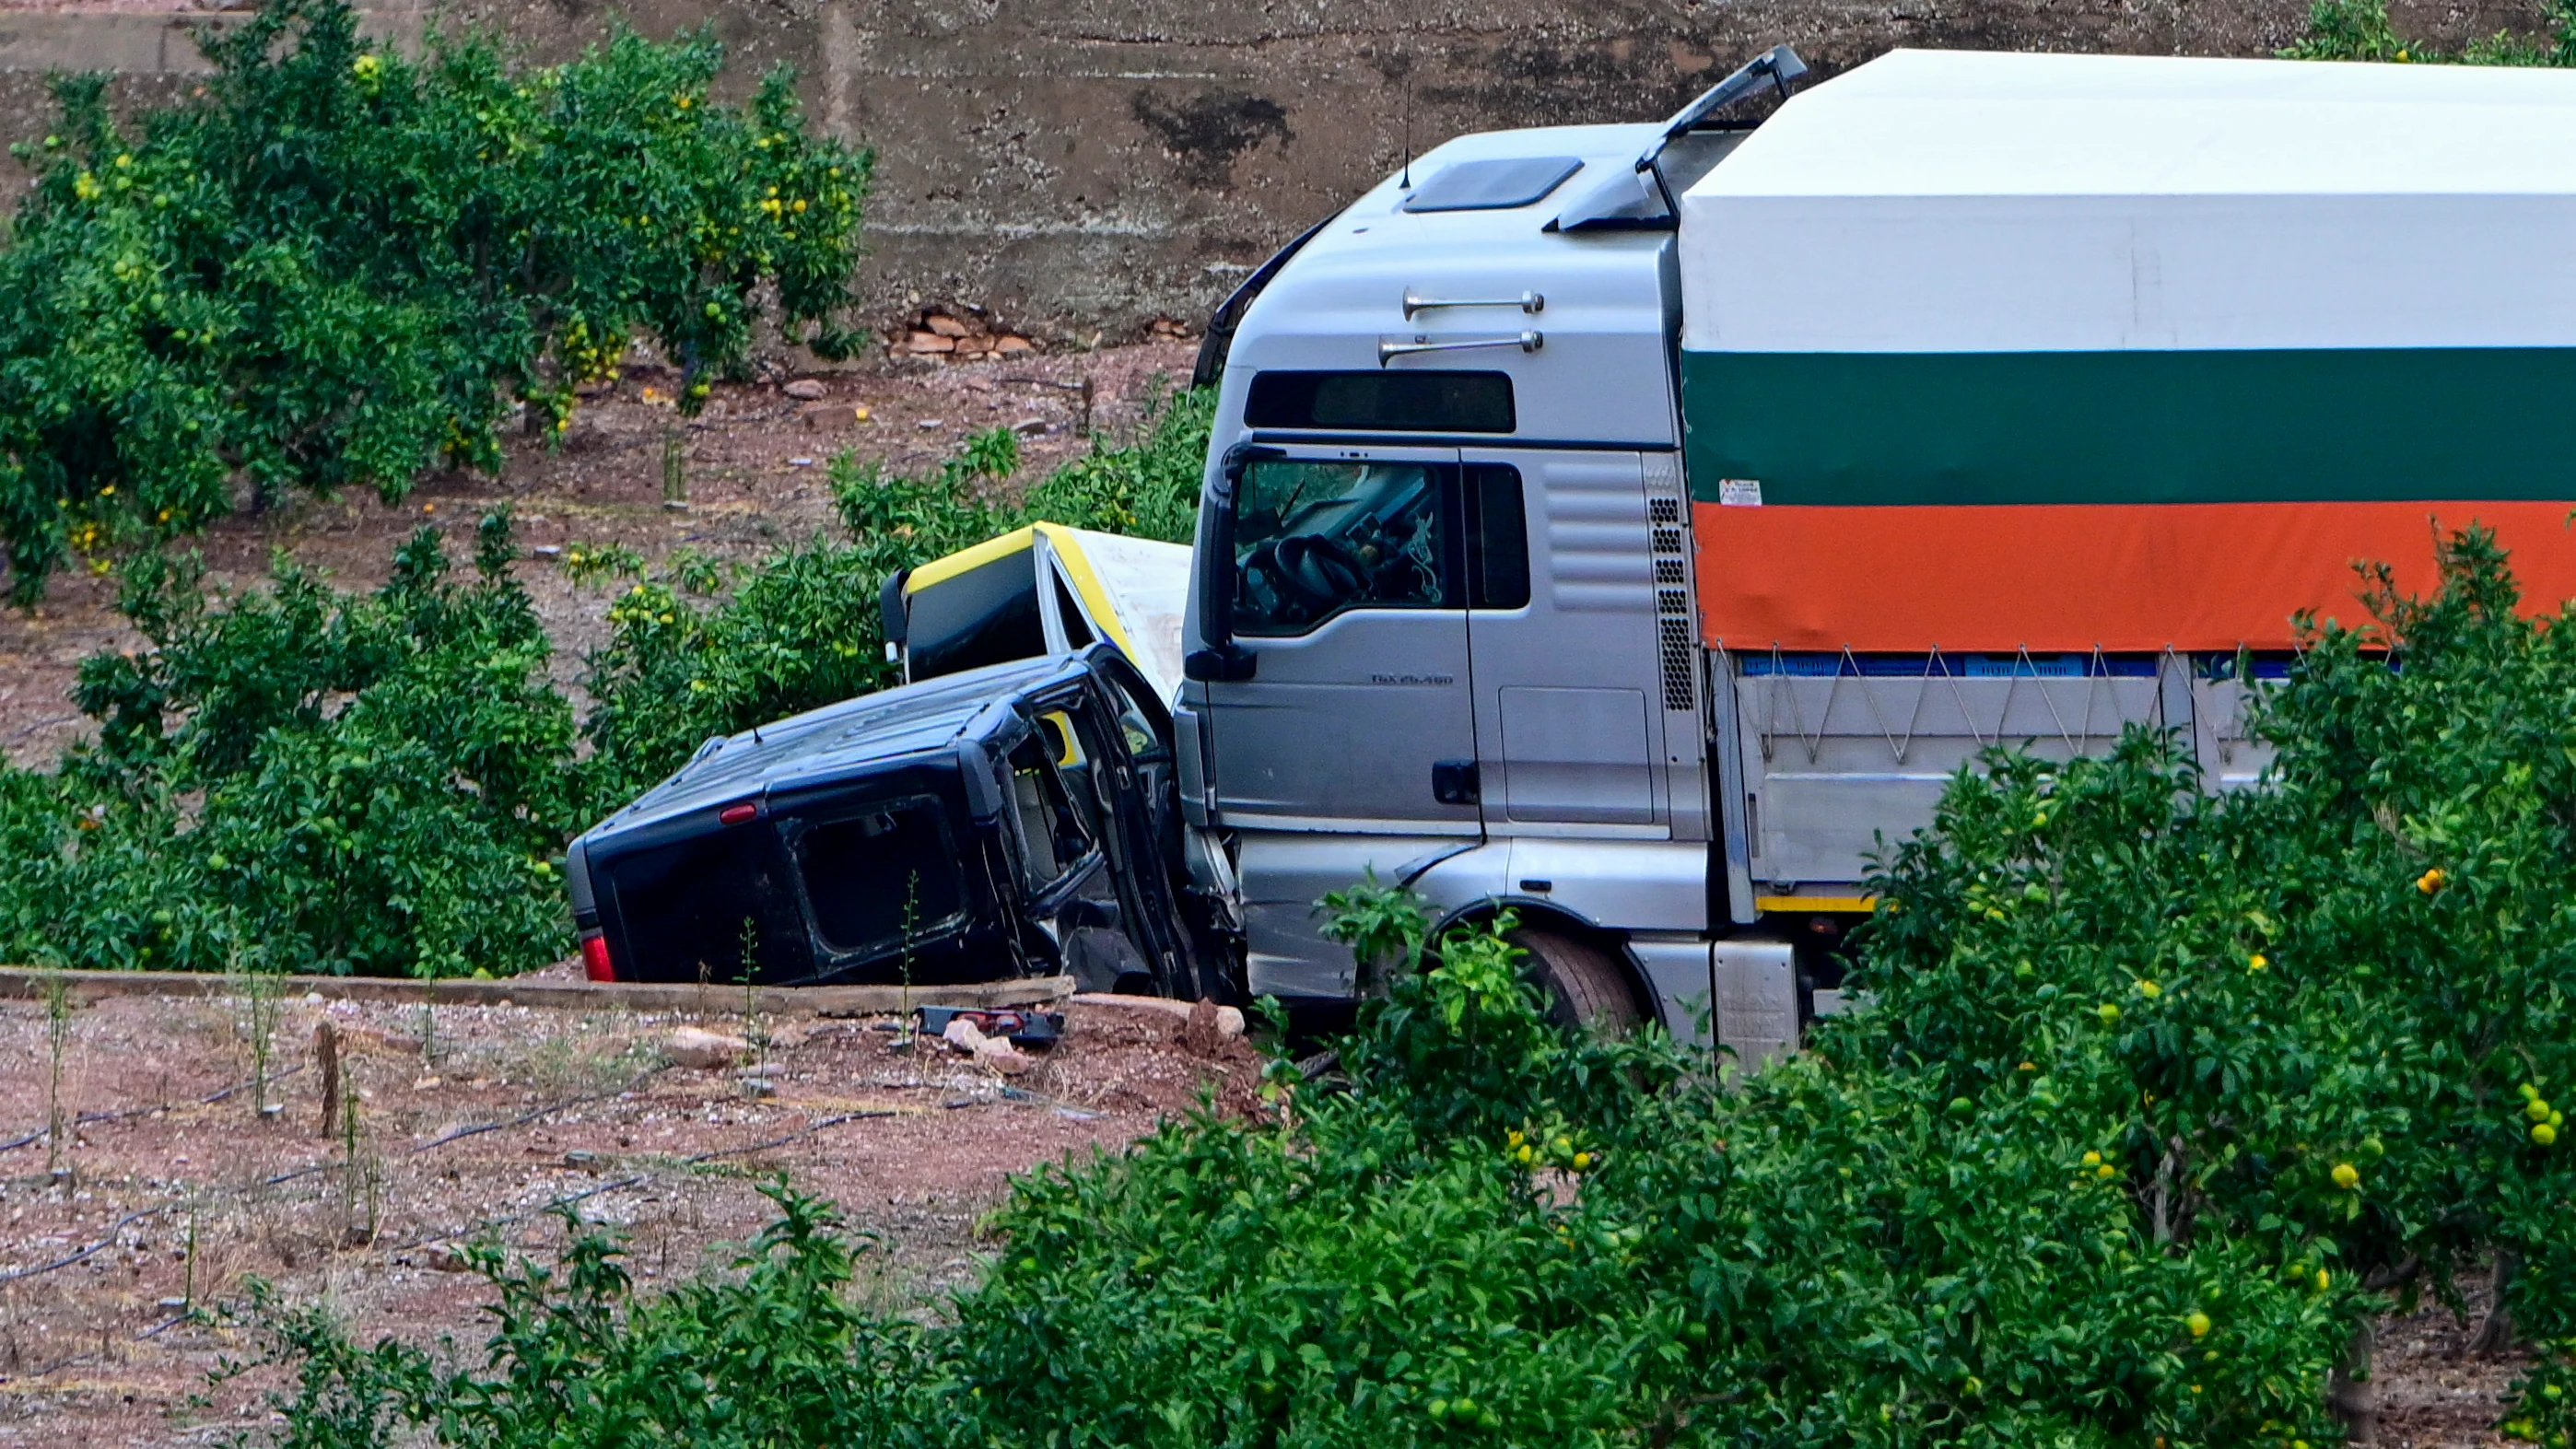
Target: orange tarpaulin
[[2079, 577]]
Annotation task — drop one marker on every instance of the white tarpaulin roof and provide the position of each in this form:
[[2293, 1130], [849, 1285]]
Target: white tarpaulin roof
[[1954, 201]]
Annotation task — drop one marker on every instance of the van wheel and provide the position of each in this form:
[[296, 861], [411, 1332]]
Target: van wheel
[[1584, 982]]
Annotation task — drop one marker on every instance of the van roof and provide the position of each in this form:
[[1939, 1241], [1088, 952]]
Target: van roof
[[838, 739]]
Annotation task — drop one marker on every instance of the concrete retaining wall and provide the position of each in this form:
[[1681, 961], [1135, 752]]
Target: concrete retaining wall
[[1082, 166]]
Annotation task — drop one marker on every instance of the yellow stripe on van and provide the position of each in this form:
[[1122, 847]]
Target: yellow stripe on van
[[967, 560], [1861, 905]]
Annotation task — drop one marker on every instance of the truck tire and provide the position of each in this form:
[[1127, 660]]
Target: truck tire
[[1584, 982]]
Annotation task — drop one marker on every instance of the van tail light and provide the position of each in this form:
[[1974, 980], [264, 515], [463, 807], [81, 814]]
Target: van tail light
[[594, 959], [737, 814]]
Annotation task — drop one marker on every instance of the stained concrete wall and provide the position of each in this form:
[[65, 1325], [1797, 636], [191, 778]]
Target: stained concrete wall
[[1082, 166]]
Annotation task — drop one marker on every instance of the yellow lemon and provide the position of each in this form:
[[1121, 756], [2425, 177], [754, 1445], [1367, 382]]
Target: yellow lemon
[[2543, 1133], [2198, 1323], [2431, 880], [2257, 961], [2092, 1159], [2347, 1176]]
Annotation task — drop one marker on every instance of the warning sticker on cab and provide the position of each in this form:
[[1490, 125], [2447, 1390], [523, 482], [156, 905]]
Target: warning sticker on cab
[[1740, 492]]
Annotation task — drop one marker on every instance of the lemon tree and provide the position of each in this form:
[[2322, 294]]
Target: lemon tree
[[2331, 1016], [340, 265]]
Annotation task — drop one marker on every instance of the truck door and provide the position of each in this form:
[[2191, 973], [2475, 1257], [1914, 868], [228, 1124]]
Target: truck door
[[1352, 709], [1569, 719]]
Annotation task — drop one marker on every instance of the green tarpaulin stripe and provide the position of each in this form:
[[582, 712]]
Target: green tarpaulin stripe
[[2273, 426]]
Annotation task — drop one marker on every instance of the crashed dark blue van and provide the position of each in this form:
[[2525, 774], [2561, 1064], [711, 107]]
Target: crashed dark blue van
[[1014, 820]]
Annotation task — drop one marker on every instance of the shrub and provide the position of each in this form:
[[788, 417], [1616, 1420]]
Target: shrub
[[2332, 1012], [2361, 30], [301, 779], [342, 266]]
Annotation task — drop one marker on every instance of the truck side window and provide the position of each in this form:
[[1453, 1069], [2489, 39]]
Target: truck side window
[[1313, 539], [1497, 538]]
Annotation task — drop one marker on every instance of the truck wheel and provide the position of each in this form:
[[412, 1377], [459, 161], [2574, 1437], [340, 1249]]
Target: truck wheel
[[1584, 983]]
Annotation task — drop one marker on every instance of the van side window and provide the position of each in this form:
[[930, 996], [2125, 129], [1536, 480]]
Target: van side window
[[1135, 724], [1053, 838], [1315, 539], [1498, 575], [848, 862]]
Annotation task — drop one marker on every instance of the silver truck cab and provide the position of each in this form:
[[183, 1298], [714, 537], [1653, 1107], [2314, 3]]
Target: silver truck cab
[[1443, 627]]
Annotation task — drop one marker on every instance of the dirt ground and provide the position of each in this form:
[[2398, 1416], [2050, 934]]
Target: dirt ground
[[472, 1120], [755, 474]]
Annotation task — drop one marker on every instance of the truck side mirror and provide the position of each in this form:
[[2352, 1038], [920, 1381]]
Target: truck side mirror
[[1222, 661]]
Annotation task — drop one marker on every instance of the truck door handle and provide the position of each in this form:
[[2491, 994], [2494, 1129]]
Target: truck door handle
[[1455, 782]]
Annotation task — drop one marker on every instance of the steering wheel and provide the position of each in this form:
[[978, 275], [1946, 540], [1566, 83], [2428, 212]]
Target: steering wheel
[[1319, 571]]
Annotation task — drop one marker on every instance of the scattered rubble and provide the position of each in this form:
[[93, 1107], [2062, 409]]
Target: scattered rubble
[[963, 1034], [703, 1050], [1226, 1022], [941, 334]]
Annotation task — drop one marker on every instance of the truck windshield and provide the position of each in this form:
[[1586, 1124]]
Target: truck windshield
[[1313, 539]]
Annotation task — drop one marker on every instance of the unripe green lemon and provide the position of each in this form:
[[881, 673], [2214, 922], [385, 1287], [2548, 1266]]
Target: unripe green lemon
[[2198, 1323]]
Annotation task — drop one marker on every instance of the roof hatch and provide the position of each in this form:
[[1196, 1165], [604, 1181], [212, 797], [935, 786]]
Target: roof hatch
[[1497, 185]]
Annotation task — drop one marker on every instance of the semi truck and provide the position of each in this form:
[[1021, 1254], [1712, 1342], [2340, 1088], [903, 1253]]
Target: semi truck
[[1634, 527]]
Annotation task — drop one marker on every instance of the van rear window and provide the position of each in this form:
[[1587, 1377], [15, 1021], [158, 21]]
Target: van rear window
[[704, 907], [879, 876], [1383, 402]]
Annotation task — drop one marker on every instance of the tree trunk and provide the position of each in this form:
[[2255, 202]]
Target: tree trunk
[[2352, 1395], [2495, 1331], [326, 1058]]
